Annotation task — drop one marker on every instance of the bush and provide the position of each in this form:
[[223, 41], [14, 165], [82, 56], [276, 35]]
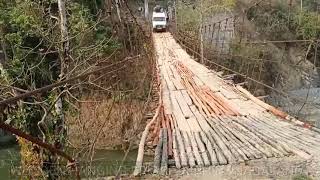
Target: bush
[[271, 22], [307, 25]]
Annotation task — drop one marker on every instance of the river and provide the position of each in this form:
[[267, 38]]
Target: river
[[105, 162], [303, 103]]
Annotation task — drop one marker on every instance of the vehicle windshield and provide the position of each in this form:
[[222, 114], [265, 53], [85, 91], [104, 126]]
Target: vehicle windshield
[[159, 19]]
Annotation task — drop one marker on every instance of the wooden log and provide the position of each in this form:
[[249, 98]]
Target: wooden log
[[139, 160], [158, 153], [283, 132], [196, 99], [179, 117], [286, 143], [295, 134], [186, 97], [192, 126], [169, 127], [224, 107], [226, 103], [162, 119], [270, 141], [188, 148], [195, 149], [217, 108], [212, 153], [182, 104], [183, 126], [262, 104], [176, 150], [221, 142], [227, 149], [156, 131], [243, 151], [229, 76], [296, 145], [233, 146], [180, 144], [203, 151], [217, 103], [205, 137], [164, 158], [253, 140], [175, 147], [165, 75], [250, 151]]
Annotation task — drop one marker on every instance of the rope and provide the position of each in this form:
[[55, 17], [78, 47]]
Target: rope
[[317, 105], [246, 57]]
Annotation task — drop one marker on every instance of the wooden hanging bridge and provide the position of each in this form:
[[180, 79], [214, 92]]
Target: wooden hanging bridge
[[203, 120]]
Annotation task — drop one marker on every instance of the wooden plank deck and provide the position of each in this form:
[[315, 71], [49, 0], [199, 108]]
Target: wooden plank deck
[[216, 124]]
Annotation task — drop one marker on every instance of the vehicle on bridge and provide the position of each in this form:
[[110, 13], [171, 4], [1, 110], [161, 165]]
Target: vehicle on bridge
[[159, 19]]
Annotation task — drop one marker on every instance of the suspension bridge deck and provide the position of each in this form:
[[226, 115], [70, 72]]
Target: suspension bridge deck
[[210, 121]]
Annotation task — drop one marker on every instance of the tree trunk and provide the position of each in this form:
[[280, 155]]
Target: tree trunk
[[118, 9], [64, 56], [146, 9], [108, 7], [3, 47]]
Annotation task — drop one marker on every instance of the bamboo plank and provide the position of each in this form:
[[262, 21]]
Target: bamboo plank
[[233, 146], [297, 132], [253, 129], [188, 147], [263, 104], [164, 157], [183, 105], [251, 151], [203, 151], [180, 118], [211, 146], [196, 100], [222, 145], [291, 147], [195, 149], [157, 154], [255, 141], [186, 97], [175, 148], [180, 144], [169, 127], [244, 148], [298, 144]]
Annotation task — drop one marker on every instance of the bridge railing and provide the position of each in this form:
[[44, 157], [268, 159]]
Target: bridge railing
[[263, 66]]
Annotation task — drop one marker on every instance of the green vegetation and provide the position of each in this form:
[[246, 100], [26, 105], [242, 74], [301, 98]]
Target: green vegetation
[[35, 55], [271, 22], [282, 22], [192, 14], [307, 25], [268, 21], [301, 177]]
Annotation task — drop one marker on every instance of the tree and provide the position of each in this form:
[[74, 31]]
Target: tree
[[146, 9], [42, 50]]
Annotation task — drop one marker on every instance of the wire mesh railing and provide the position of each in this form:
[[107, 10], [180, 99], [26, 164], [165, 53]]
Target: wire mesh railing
[[265, 66]]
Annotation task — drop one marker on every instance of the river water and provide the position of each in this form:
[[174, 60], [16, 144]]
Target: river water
[[9, 157], [105, 162], [302, 103]]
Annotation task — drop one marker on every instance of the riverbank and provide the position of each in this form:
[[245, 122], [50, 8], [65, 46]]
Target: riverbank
[[104, 163]]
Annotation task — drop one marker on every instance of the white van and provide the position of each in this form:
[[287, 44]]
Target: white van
[[159, 21]]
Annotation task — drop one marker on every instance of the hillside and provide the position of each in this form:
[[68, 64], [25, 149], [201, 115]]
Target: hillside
[[273, 42]]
